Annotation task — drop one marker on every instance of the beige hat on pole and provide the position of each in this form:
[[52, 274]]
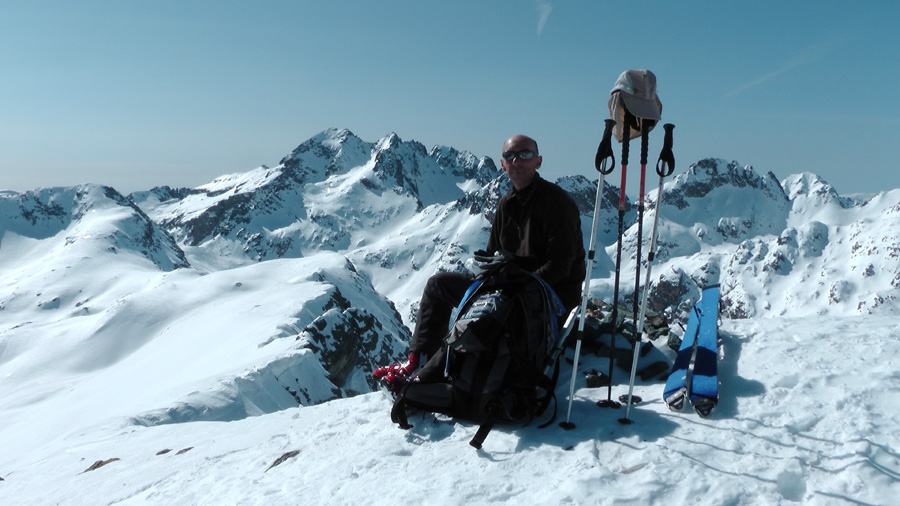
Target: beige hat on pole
[[635, 92]]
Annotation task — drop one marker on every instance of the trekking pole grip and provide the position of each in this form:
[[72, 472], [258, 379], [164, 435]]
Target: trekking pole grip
[[666, 163], [645, 131], [626, 138], [604, 150]]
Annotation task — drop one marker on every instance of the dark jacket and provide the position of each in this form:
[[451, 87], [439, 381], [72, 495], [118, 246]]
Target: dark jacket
[[541, 226]]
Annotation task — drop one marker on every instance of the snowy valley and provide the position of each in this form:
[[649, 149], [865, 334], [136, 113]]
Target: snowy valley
[[168, 346]]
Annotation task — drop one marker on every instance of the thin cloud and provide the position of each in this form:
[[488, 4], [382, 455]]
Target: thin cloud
[[810, 55], [767, 77], [543, 10]]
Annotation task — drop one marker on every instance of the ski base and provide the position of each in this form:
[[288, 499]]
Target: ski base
[[675, 401], [704, 406]]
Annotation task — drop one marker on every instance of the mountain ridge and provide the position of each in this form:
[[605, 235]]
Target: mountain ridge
[[371, 200]]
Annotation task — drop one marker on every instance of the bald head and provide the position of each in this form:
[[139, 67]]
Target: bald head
[[521, 140], [520, 160]]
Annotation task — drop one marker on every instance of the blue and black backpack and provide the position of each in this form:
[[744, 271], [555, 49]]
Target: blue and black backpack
[[500, 359]]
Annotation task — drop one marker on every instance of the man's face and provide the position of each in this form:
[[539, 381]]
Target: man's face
[[515, 162]]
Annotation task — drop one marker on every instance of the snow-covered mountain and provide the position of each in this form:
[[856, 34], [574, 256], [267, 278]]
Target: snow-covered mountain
[[794, 248], [397, 210], [92, 287], [284, 286], [87, 218], [400, 213]]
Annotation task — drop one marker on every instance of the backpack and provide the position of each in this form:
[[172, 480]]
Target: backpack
[[500, 358]]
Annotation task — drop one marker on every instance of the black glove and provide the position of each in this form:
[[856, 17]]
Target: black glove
[[488, 263]]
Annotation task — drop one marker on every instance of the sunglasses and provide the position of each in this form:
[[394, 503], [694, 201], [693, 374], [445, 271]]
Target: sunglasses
[[525, 154]]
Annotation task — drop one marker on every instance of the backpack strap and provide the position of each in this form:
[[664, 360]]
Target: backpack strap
[[551, 396], [398, 414], [435, 397], [465, 300], [494, 410]]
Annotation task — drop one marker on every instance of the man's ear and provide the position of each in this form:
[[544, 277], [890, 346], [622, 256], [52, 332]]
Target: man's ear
[[540, 159]]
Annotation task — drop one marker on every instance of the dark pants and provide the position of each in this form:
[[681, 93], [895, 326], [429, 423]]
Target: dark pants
[[442, 294]]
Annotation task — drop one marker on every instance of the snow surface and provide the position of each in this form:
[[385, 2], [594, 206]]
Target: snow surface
[[808, 415]]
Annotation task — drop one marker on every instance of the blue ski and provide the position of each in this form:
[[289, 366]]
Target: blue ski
[[704, 389], [699, 344], [675, 391]]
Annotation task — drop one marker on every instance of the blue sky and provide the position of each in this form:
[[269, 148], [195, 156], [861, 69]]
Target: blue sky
[[136, 94]]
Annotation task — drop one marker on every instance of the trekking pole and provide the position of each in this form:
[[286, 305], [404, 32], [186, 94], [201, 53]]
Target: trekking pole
[[667, 161], [604, 152], [645, 133], [626, 134]]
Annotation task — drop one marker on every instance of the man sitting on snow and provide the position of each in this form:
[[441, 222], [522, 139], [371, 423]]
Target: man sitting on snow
[[537, 222]]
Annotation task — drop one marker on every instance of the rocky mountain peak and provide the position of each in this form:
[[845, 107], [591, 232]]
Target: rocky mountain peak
[[708, 174], [809, 189]]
